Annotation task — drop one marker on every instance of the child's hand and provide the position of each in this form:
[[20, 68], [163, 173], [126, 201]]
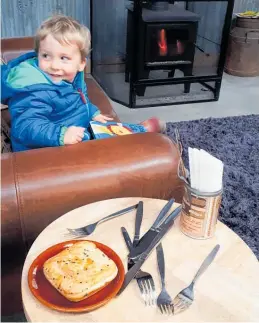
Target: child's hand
[[73, 135], [101, 118]]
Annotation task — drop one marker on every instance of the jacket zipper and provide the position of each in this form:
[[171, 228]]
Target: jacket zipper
[[82, 96]]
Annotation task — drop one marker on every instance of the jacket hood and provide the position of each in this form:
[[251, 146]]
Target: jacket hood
[[23, 75]]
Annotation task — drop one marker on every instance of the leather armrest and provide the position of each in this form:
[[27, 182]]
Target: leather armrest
[[42, 184]]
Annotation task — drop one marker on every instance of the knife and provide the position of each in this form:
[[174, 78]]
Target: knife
[[128, 244], [162, 214], [138, 221], [142, 258], [152, 232], [150, 235], [126, 238]]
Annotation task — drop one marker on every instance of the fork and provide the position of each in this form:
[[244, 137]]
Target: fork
[[144, 280], [184, 298], [88, 229], [164, 300]]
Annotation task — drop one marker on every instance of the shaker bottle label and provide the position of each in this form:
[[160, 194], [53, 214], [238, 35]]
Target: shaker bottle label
[[198, 218], [193, 215]]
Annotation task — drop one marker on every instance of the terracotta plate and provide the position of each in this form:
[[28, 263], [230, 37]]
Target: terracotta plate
[[50, 297]]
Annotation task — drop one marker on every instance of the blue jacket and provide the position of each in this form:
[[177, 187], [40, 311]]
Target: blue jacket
[[42, 110]]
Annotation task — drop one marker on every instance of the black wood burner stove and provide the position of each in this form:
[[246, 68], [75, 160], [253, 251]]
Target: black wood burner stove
[[174, 53], [166, 41]]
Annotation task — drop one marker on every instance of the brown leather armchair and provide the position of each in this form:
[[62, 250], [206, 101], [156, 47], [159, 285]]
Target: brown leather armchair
[[42, 184]]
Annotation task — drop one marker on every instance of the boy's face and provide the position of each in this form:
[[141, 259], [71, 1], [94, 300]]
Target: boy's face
[[60, 61]]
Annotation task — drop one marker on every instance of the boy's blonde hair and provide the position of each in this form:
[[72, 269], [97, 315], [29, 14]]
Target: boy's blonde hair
[[65, 30]]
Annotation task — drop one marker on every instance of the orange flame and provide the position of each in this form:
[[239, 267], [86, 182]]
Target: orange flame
[[162, 43]]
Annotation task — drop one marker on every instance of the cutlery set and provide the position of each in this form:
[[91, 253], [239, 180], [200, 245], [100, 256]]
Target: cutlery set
[[143, 250], [140, 249], [144, 280]]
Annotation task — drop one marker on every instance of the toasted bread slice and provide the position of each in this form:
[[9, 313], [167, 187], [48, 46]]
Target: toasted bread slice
[[80, 271]]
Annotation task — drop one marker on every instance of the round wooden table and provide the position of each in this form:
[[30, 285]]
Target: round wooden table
[[227, 292]]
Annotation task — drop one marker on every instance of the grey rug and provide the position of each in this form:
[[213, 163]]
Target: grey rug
[[234, 140]]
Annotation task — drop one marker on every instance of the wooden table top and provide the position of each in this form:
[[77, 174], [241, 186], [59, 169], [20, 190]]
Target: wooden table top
[[227, 292]]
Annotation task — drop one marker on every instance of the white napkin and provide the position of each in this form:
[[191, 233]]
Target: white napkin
[[194, 167], [206, 171]]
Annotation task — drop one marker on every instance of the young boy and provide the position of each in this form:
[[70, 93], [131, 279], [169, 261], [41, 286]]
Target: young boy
[[45, 89]]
